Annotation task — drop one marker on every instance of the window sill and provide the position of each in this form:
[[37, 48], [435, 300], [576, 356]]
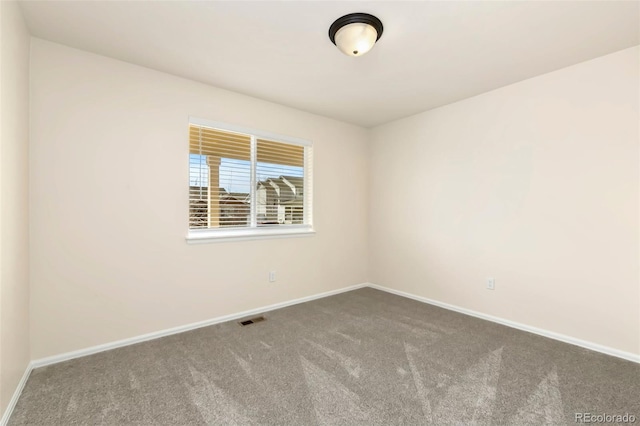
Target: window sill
[[221, 235]]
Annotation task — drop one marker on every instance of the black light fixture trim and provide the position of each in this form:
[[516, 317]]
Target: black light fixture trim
[[355, 18]]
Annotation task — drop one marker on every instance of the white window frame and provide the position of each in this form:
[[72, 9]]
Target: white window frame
[[200, 236]]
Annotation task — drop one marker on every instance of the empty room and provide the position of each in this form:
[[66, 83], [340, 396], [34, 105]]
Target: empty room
[[319, 212]]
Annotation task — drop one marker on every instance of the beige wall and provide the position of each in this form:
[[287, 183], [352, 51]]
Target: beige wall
[[109, 205], [535, 184], [14, 189]]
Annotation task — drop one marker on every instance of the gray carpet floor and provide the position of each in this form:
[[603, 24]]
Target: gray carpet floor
[[359, 358]]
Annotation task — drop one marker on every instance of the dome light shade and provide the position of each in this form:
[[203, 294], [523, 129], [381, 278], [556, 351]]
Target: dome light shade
[[356, 39], [356, 33]]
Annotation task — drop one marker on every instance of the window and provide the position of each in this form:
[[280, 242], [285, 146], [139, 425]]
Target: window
[[246, 183]]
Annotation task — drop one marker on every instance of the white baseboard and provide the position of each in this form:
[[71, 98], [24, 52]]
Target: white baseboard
[[16, 395], [546, 333], [167, 332], [180, 329], [155, 335]]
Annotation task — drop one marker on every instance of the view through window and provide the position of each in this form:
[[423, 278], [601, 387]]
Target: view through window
[[243, 181]]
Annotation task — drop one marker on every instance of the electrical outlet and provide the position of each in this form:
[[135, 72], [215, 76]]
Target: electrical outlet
[[272, 276], [491, 283]]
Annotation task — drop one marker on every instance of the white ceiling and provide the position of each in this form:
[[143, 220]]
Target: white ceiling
[[431, 53]]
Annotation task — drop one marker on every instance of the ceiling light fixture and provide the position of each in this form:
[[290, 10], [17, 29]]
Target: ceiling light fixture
[[356, 33]]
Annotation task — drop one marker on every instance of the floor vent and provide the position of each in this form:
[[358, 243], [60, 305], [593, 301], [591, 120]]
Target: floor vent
[[251, 321]]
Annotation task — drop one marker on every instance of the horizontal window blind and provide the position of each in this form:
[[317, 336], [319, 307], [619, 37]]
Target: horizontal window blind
[[218, 143], [243, 181], [280, 153]]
